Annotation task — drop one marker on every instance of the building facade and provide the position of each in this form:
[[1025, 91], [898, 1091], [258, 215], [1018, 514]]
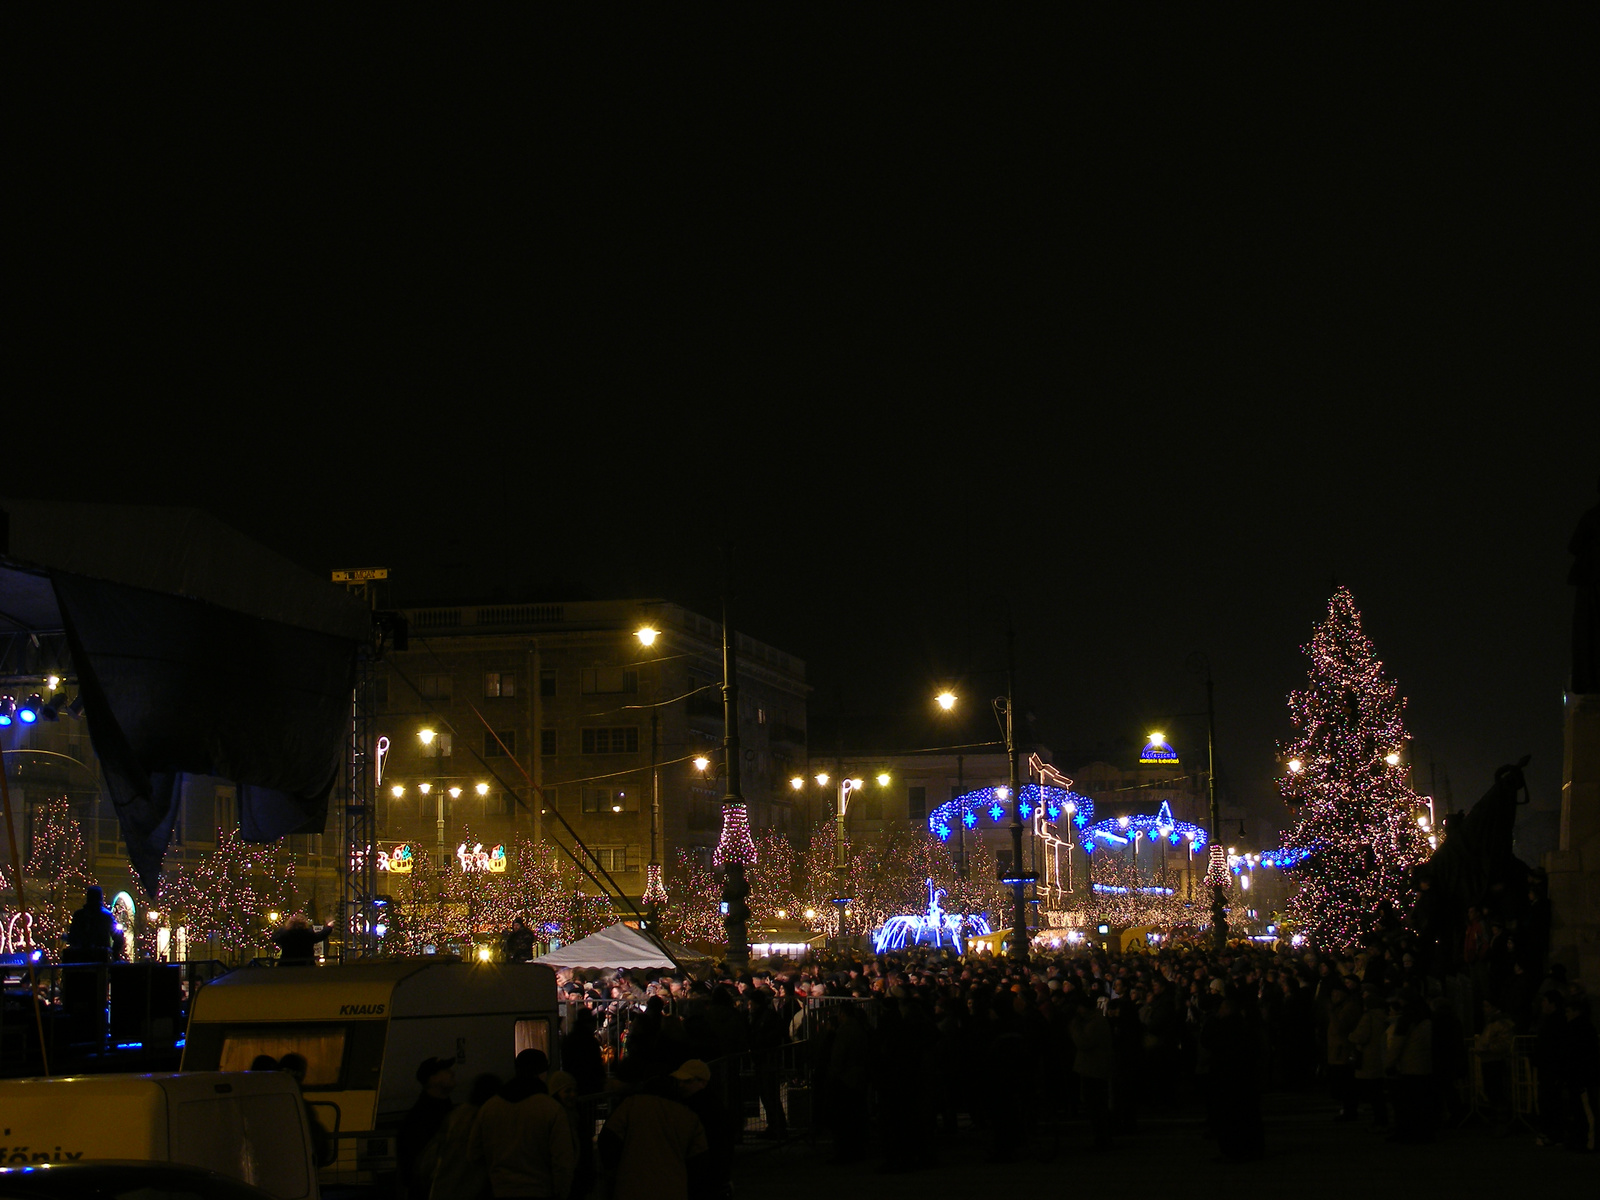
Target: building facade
[[557, 722]]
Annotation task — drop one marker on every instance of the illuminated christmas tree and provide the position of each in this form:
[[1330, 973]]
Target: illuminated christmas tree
[[55, 874], [1355, 814]]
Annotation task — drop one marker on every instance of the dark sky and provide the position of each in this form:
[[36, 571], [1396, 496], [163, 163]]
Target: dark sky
[[1140, 333]]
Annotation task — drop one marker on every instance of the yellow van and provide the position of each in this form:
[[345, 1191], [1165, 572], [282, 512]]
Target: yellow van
[[249, 1126], [364, 1027]]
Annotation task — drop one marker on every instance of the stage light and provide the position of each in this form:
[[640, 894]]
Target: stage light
[[28, 710], [8, 710]]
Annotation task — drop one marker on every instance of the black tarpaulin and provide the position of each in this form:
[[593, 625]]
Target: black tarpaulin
[[172, 684]]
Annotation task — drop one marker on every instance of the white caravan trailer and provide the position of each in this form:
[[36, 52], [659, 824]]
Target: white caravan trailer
[[364, 1028]]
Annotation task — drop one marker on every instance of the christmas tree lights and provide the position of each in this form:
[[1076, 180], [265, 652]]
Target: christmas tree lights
[[227, 895], [1355, 836], [56, 872]]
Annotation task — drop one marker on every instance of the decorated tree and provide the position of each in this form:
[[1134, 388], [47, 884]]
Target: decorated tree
[[226, 896], [1123, 895], [55, 875], [1355, 815]]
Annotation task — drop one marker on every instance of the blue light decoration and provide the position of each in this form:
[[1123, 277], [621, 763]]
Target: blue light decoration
[[1118, 831], [1111, 889], [971, 807], [933, 928], [1285, 858]]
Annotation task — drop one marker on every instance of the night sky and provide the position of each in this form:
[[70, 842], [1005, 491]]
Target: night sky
[[1137, 334]]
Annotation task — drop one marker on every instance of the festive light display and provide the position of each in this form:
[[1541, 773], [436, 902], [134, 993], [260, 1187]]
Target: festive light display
[[970, 807], [735, 844], [885, 874], [479, 859], [1354, 839], [932, 928], [398, 861], [655, 890], [56, 872], [1159, 826], [227, 895]]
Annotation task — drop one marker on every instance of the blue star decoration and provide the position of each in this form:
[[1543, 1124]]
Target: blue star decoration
[[1054, 810], [969, 820], [1026, 810], [944, 831], [997, 812]]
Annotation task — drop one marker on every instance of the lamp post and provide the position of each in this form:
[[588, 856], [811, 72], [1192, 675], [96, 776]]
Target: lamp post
[[735, 850], [427, 737], [1019, 878]]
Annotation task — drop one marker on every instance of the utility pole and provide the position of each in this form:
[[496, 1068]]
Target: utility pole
[[1219, 916], [1019, 881]]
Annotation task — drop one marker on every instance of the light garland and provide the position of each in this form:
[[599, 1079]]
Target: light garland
[[1160, 825], [735, 845], [970, 807], [655, 891]]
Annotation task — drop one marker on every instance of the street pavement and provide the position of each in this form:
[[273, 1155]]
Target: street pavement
[[1308, 1154]]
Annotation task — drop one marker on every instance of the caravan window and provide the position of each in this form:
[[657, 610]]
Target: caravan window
[[533, 1033], [322, 1046]]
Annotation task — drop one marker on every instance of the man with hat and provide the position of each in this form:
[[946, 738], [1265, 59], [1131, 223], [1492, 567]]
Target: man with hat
[[416, 1148]]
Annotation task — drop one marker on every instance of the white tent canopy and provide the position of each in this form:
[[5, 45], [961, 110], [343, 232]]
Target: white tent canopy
[[616, 946]]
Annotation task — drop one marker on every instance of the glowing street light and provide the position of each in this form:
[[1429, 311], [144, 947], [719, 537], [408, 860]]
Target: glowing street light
[[702, 763], [1296, 766], [425, 788], [883, 779], [945, 700], [398, 790], [646, 635], [427, 736], [482, 789], [822, 779], [798, 782], [455, 793], [1392, 758]]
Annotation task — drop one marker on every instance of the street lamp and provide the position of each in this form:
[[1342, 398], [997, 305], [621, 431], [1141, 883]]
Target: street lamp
[[427, 737], [1004, 708]]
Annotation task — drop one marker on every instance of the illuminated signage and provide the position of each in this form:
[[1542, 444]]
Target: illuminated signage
[[398, 861], [479, 859], [1157, 751]]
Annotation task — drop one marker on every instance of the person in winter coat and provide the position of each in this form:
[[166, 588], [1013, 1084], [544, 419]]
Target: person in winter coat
[[1369, 1038], [1408, 1062], [455, 1175], [1344, 1014], [1094, 1063]]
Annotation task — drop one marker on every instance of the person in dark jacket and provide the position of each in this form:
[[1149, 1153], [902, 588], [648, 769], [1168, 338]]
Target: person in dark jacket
[[518, 944], [1549, 1063], [1582, 1085], [416, 1142], [90, 936], [297, 941]]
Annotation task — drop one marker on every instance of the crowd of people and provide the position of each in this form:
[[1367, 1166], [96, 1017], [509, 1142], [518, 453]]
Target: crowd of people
[[1078, 1044]]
